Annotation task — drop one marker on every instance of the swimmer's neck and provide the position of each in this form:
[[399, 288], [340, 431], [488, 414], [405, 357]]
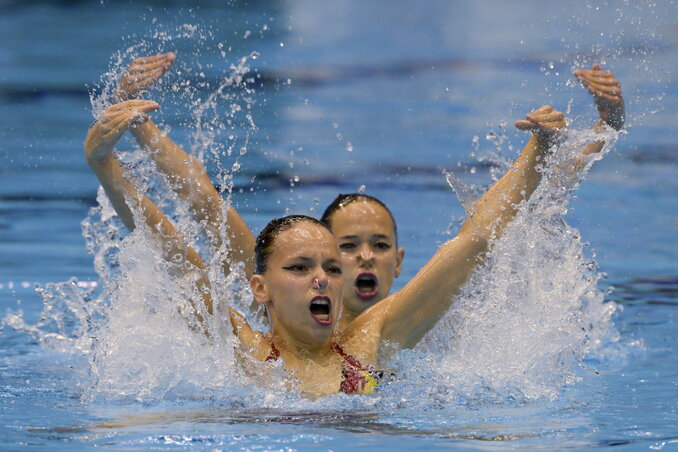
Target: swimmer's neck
[[292, 349]]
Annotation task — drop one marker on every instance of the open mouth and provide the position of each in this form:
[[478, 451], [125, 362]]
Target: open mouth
[[366, 286], [321, 310]]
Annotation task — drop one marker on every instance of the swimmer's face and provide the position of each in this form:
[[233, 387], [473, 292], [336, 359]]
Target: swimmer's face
[[302, 284], [371, 261]]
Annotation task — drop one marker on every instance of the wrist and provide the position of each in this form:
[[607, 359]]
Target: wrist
[[121, 95], [98, 158], [541, 141]]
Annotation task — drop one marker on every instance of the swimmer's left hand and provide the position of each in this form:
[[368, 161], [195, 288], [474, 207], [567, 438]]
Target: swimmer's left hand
[[114, 121], [545, 122]]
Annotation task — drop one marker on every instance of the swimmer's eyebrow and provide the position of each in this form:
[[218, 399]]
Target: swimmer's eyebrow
[[306, 259], [303, 259], [349, 237], [355, 237]]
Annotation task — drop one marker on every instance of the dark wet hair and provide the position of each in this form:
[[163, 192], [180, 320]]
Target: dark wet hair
[[266, 238], [342, 200]]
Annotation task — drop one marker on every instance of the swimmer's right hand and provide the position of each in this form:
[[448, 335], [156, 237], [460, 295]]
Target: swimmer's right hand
[[114, 121], [546, 123], [142, 73]]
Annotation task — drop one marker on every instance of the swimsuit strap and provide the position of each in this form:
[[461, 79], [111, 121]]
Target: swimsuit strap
[[275, 353], [348, 358]]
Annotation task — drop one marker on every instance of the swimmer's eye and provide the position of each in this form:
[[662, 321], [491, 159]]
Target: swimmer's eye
[[347, 246], [296, 268], [333, 269]]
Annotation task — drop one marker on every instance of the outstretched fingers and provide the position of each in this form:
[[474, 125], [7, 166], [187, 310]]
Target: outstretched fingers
[[546, 123], [159, 62], [607, 94], [141, 105], [142, 73], [544, 119], [600, 83], [110, 126]]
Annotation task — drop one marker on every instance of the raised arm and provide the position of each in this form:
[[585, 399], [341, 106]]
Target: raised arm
[[124, 196], [186, 174], [408, 314], [607, 96]]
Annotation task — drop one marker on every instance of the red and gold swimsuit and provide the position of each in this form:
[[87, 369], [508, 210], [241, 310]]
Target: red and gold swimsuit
[[358, 379]]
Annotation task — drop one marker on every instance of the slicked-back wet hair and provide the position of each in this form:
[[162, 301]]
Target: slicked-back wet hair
[[342, 200], [266, 238]]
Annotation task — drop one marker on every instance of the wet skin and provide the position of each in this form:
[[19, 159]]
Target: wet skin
[[369, 254], [302, 286]]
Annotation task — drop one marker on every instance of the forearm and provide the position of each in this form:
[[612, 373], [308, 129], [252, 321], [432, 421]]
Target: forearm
[[500, 203], [188, 178], [185, 173], [411, 312], [121, 192]]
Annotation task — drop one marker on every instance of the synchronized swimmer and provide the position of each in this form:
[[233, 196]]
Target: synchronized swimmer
[[325, 284]]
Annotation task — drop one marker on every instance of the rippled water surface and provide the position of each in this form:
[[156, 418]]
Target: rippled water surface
[[346, 96]]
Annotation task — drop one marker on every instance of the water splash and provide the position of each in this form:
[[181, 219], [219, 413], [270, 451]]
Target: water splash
[[466, 195], [519, 329], [525, 321]]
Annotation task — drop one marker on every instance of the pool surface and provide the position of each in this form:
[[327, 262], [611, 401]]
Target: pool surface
[[569, 338]]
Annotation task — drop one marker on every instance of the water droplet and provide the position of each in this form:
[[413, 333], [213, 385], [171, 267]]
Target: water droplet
[[362, 189], [349, 146]]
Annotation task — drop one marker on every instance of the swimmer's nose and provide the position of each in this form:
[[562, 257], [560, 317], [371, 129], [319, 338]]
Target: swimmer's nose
[[321, 284], [366, 255]]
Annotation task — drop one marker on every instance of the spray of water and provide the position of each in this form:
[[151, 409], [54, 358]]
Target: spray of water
[[523, 323], [519, 329]]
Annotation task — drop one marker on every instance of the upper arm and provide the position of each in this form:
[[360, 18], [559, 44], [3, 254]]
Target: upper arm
[[407, 315]]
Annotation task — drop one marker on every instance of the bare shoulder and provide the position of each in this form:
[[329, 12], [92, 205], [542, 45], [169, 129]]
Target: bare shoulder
[[362, 338]]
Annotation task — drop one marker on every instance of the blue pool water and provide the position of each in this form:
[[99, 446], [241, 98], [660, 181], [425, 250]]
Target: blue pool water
[[350, 94]]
